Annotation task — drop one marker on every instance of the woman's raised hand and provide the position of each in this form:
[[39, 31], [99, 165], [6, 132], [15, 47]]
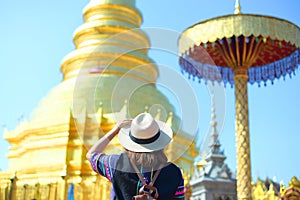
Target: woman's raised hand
[[124, 123]]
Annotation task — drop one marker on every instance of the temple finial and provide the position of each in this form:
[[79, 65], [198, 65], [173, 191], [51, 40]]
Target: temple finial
[[237, 7], [170, 119], [213, 122], [100, 112], [215, 145], [146, 109], [126, 109], [158, 114]]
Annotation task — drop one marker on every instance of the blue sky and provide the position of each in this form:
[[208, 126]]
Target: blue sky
[[36, 35]]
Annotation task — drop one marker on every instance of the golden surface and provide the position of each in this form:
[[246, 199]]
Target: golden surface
[[108, 75], [242, 138], [240, 24], [292, 192], [110, 39], [261, 192]]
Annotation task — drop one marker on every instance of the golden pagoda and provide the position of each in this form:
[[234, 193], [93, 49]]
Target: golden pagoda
[[108, 77]]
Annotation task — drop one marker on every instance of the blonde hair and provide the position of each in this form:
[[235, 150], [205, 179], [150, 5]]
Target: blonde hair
[[148, 159]]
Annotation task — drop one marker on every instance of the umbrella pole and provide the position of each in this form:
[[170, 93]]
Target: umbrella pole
[[242, 137]]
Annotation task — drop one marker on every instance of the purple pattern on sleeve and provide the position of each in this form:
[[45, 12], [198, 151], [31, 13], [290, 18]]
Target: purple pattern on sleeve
[[104, 164], [93, 160]]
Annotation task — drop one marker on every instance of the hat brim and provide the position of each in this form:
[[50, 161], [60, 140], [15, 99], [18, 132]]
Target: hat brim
[[165, 137]]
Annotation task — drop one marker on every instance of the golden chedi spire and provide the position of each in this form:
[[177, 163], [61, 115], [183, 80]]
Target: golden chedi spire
[[111, 41]]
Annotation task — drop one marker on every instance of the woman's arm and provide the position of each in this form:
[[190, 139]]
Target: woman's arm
[[100, 145]]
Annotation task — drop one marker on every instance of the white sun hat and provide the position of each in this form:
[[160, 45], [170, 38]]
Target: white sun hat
[[145, 134]]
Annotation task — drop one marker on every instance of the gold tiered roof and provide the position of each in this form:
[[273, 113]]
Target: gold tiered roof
[[240, 24]]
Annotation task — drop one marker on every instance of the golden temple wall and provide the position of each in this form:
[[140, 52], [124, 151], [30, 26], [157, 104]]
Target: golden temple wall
[[92, 187]]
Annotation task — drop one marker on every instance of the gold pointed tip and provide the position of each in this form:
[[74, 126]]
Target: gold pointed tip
[[281, 182], [237, 8], [237, 11], [170, 118], [146, 109]]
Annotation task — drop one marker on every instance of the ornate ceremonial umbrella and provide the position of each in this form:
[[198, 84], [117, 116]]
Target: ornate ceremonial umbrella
[[237, 49]]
